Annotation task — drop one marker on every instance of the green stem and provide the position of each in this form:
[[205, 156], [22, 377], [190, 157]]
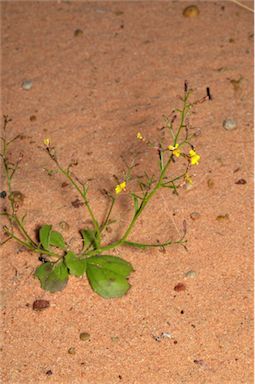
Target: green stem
[[183, 116], [13, 217], [86, 202], [30, 247], [104, 224], [143, 246]]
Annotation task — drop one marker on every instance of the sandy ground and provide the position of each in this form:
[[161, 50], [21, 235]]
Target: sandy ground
[[91, 92]]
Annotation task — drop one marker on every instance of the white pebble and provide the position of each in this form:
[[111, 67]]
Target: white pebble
[[229, 124], [27, 84], [190, 274]]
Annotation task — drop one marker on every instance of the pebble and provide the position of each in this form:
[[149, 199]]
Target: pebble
[[191, 11], [32, 118], [229, 124], [77, 203], [27, 84], [78, 32], [190, 274], [180, 287], [84, 336], [222, 217], [241, 182], [3, 194], [64, 225], [49, 372], [71, 351], [39, 305], [195, 215], [115, 339], [210, 183], [163, 335], [166, 334]]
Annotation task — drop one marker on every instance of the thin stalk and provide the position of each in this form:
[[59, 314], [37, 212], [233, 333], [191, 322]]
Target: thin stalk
[[183, 115], [104, 224], [13, 216], [143, 246], [67, 175]]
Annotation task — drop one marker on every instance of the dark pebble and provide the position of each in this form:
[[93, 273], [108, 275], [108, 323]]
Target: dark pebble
[[49, 372], [180, 287], [39, 305], [3, 194], [241, 181], [77, 203], [78, 32]]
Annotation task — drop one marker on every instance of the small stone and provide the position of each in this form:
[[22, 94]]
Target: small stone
[[210, 183], [167, 335], [84, 336], [78, 32], [119, 13], [199, 362], [71, 351], [3, 194], [191, 11], [195, 215], [32, 118], [190, 274], [39, 305], [229, 124], [64, 225], [77, 203], [180, 287], [222, 217], [241, 182], [27, 84], [115, 339], [49, 372]]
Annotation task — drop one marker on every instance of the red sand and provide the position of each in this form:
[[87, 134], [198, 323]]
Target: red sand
[[91, 93]]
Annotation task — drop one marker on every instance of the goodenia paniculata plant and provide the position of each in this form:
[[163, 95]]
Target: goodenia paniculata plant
[[107, 274]]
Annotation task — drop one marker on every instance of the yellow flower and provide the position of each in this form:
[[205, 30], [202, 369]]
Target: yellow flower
[[188, 179], [139, 136], [46, 142], [194, 157], [175, 149], [120, 187]]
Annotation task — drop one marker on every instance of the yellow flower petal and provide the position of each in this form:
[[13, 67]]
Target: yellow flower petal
[[175, 149], [120, 187], [139, 136], [46, 142], [194, 157]]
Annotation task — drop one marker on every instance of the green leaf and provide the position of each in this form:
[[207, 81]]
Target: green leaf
[[90, 237], [76, 266], [56, 239], [112, 263], [53, 278], [44, 235], [108, 274]]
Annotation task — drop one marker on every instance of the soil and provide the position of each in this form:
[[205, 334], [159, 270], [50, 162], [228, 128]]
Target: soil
[[100, 72]]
